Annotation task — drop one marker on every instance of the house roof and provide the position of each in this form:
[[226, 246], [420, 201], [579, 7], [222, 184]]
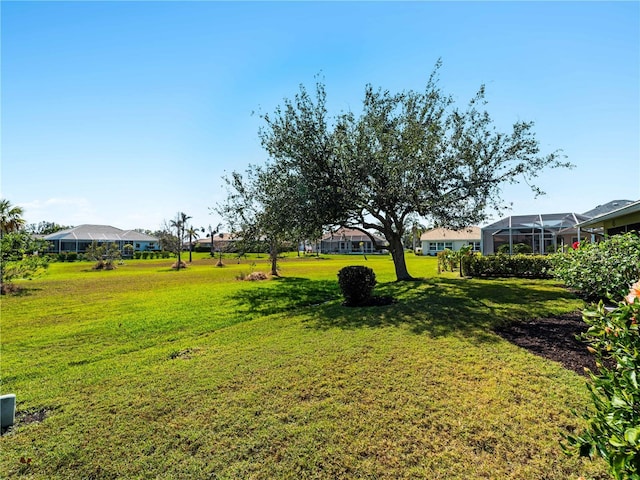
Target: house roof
[[100, 233], [607, 207], [350, 235], [469, 233], [555, 221], [217, 237], [633, 207]]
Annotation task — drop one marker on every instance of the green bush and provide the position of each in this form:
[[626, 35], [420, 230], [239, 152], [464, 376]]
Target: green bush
[[447, 261], [145, 255], [600, 271], [72, 256], [517, 248], [356, 283], [522, 266], [450, 260], [61, 257], [613, 430], [137, 255]]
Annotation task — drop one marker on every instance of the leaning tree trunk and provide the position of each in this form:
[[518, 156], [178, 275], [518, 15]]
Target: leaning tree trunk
[[397, 253]]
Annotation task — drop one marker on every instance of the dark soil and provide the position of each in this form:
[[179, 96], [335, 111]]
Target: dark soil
[[553, 338], [27, 417]]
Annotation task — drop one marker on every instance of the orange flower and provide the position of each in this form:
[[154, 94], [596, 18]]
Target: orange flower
[[633, 293]]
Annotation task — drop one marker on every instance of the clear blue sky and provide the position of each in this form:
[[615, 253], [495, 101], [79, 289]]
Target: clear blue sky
[[125, 113]]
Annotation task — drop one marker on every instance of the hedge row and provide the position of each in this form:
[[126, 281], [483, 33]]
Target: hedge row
[[73, 256], [527, 266]]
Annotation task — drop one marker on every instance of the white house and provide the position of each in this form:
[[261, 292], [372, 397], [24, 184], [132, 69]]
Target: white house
[[439, 239]]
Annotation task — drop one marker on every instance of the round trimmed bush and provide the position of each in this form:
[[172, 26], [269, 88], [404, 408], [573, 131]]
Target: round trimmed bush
[[356, 283]]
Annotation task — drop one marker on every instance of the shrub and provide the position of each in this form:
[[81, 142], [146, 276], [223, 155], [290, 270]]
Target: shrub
[[61, 257], [613, 430], [72, 256], [516, 248], [356, 283], [450, 260], [137, 255], [522, 266], [447, 261], [145, 255], [600, 271]]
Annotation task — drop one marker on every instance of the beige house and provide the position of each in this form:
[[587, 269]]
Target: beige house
[[439, 239]]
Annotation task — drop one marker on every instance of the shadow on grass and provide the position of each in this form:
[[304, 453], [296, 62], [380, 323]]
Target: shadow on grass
[[437, 306], [285, 294]]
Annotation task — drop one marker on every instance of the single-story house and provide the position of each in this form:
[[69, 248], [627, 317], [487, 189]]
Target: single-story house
[[439, 239], [623, 219], [350, 240], [221, 241], [77, 239]]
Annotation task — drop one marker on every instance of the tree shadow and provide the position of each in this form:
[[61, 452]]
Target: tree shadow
[[285, 294], [441, 306], [435, 306]]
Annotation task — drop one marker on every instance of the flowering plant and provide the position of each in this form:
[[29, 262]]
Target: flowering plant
[[613, 430], [634, 293]]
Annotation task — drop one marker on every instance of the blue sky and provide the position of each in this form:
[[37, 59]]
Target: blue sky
[[125, 113]]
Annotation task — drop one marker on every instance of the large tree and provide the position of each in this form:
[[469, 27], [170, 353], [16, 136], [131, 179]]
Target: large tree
[[45, 228], [406, 155]]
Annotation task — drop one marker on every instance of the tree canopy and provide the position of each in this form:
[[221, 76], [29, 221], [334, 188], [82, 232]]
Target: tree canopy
[[268, 203], [407, 155], [19, 251], [10, 217]]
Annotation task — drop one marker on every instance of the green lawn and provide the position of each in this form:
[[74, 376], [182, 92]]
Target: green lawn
[[145, 372]]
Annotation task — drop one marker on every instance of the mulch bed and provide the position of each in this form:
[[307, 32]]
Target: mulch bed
[[553, 338]]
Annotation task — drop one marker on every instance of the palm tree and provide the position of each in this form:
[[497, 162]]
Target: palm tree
[[10, 217], [180, 224], [193, 233]]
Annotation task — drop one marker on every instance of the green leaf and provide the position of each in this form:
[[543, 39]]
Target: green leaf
[[633, 378], [618, 402], [632, 435], [616, 441]]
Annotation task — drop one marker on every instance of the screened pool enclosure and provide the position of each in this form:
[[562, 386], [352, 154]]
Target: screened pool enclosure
[[543, 233]]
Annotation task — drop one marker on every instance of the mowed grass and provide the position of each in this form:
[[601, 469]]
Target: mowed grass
[[144, 372]]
